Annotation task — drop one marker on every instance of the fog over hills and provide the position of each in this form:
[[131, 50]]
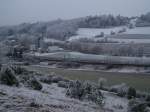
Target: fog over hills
[[20, 11]]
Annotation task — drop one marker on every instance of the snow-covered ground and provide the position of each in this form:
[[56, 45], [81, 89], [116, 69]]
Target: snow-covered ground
[[92, 32], [138, 30], [130, 40], [52, 99], [115, 103], [97, 31]]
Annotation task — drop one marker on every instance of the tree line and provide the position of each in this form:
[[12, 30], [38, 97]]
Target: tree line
[[103, 21]]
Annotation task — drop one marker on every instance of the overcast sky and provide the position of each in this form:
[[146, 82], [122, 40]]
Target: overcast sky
[[19, 11]]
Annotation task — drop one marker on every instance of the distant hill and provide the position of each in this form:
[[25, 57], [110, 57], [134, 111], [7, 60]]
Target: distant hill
[[61, 29]]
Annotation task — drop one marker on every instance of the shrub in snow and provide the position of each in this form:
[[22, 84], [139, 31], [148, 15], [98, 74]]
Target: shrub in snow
[[25, 77], [101, 83], [130, 26], [88, 87], [46, 79], [113, 90], [63, 84], [93, 93], [2, 93], [75, 89], [137, 106], [121, 93], [100, 35], [96, 96], [18, 70], [121, 89], [56, 79], [112, 33], [35, 84], [7, 76], [122, 30], [131, 93], [35, 105], [85, 91]]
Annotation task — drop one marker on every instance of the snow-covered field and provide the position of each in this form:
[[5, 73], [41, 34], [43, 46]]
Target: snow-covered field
[[130, 40], [107, 31], [138, 30], [92, 32], [142, 33], [97, 31]]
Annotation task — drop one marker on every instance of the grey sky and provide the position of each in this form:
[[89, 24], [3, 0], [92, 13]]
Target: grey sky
[[18, 11]]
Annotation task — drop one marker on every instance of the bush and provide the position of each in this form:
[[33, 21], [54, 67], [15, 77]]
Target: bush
[[7, 76], [47, 80], [96, 96], [2, 93], [121, 89], [112, 33], [131, 26], [114, 90], [56, 79], [122, 30], [35, 105], [86, 90], [35, 84], [63, 84], [121, 93], [131, 93], [75, 90], [101, 82], [18, 70], [100, 35], [136, 106]]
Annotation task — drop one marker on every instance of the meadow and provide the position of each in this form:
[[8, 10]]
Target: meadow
[[140, 81]]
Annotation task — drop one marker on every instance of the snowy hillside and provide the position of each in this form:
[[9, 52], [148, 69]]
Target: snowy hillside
[[130, 35], [139, 30], [97, 31]]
